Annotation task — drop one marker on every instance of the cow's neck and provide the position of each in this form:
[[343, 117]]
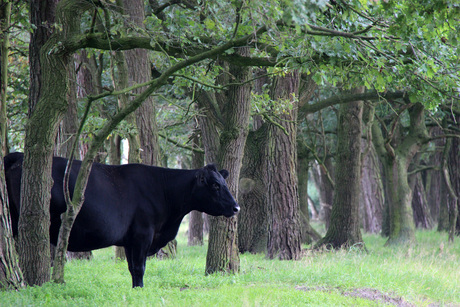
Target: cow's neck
[[178, 191]]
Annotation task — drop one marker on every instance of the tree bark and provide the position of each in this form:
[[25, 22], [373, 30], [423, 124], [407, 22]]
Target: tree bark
[[396, 154], [195, 226], [344, 229], [420, 208], [5, 22], [284, 241], [253, 218], [42, 16], [140, 71], [223, 253], [41, 133], [372, 194], [80, 86], [433, 177], [325, 188], [10, 273]]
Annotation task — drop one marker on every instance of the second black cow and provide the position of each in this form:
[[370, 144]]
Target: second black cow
[[136, 206]]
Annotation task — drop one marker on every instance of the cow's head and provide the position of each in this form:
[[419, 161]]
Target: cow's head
[[211, 192]]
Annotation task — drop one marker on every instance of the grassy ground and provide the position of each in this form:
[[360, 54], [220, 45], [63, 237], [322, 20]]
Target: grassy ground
[[427, 274]]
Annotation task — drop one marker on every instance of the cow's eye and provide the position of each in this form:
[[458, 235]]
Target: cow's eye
[[215, 187]]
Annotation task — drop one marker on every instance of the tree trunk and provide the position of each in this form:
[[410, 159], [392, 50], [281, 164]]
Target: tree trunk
[[308, 233], [140, 71], [80, 86], [41, 133], [223, 253], [396, 155], [284, 240], [344, 230], [325, 188], [10, 274], [5, 12], [252, 220], [42, 16], [372, 195], [422, 214], [195, 226], [452, 178], [433, 177]]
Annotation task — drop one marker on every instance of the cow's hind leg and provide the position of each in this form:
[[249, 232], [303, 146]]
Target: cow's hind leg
[[136, 258]]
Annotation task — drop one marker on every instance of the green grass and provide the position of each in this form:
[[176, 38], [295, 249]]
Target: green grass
[[424, 274]]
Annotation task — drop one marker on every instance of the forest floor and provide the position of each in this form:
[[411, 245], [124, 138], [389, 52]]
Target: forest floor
[[426, 274]]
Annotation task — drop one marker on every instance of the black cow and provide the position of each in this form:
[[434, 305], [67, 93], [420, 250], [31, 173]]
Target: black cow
[[136, 206]]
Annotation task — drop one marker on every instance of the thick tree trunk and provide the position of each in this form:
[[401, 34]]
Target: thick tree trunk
[[42, 16], [344, 230], [223, 252], [284, 241], [396, 157], [140, 71], [252, 220], [41, 133]]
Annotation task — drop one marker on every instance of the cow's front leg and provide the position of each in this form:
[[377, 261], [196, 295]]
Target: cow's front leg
[[136, 258]]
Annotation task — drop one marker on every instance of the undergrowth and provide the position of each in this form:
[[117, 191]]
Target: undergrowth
[[421, 275]]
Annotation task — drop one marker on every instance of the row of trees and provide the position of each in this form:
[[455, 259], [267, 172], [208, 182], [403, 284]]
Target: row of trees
[[356, 87]]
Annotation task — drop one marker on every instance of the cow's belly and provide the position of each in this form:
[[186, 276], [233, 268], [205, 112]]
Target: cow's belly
[[94, 229]]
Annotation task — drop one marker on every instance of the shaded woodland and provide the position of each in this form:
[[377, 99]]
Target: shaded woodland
[[342, 113]]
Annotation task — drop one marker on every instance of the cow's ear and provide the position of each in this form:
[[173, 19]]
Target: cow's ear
[[224, 173]]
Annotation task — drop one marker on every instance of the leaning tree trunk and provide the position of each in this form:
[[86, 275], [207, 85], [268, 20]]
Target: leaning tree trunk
[[344, 229], [80, 86], [223, 246], [284, 241]]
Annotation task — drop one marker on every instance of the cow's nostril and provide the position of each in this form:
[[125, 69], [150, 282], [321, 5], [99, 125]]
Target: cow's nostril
[[236, 209]]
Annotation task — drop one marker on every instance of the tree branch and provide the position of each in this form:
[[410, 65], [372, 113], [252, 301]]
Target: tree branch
[[338, 99]]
